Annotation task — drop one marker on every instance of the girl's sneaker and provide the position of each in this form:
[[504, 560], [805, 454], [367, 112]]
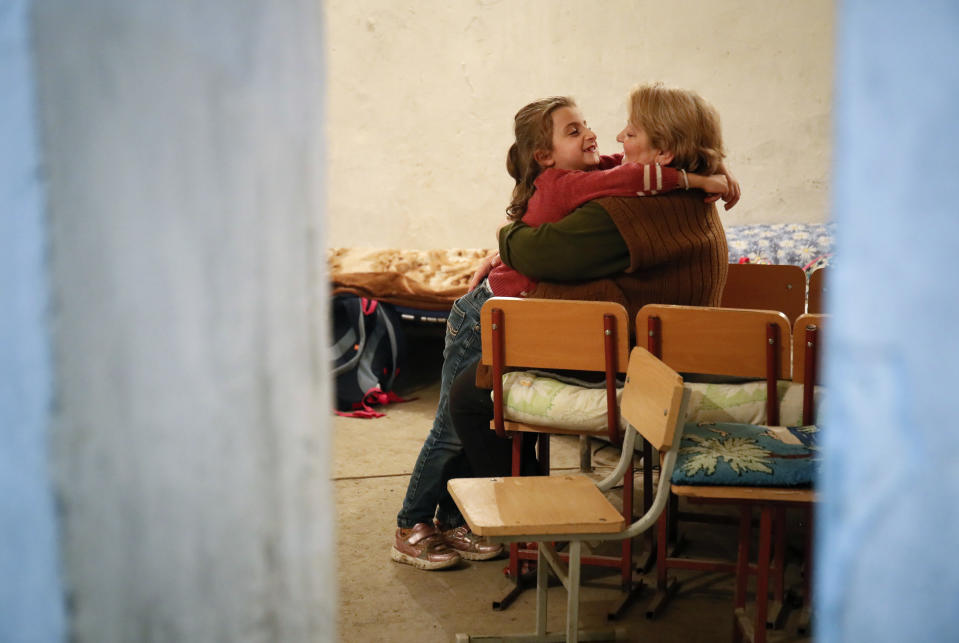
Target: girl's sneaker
[[468, 545], [423, 547]]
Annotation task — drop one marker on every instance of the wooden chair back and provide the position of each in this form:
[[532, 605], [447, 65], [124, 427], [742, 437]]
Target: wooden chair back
[[721, 341], [766, 287], [652, 398], [817, 291], [554, 334]]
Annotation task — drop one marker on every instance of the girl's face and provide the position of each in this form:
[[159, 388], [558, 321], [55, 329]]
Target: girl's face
[[574, 144], [637, 148]]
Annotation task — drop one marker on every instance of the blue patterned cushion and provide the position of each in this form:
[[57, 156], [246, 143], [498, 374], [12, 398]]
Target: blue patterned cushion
[[747, 455]]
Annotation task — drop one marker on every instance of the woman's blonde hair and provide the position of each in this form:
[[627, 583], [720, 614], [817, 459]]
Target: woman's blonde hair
[[533, 130], [681, 122]]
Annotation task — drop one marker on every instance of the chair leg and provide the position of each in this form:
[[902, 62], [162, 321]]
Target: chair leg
[[542, 453], [572, 609], [627, 550], [647, 475], [517, 453], [740, 623], [762, 571], [664, 585], [805, 617], [650, 558], [662, 526], [513, 568], [777, 611], [520, 581], [630, 588], [673, 518], [542, 587], [585, 455]]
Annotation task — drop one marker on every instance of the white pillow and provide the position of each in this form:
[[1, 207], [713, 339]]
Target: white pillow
[[745, 403], [533, 398]]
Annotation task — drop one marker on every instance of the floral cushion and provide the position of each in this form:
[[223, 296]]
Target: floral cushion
[[731, 454], [536, 398], [807, 245]]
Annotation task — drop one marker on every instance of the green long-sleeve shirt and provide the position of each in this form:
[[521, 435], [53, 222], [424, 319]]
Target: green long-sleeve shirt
[[584, 245]]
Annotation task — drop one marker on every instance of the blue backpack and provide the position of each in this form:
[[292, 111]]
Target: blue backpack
[[368, 351]]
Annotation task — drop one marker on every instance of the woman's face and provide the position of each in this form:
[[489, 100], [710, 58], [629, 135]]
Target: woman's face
[[637, 148], [574, 144]]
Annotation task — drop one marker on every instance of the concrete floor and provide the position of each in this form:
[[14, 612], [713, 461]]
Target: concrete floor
[[380, 600]]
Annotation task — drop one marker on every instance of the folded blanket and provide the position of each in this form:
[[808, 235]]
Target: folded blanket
[[424, 279]]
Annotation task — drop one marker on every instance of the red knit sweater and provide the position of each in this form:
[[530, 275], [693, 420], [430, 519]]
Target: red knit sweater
[[559, 192]]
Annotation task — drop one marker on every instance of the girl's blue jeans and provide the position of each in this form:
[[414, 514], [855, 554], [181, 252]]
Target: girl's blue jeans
[[442, 457]]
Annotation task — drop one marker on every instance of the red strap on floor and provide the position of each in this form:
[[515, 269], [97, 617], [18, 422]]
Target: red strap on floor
[[373, 397], [365, 413]]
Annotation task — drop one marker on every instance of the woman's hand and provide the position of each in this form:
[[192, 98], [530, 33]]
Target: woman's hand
[[484, 268], [731, 196]]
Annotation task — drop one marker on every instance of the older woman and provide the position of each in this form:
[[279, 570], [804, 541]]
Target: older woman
[[670, 249]]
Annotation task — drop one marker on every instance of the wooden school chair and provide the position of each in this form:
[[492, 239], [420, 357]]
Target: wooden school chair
[[570, 335], [817, 291], [744, 343], [714, 342], [766, 287], [572, 508]]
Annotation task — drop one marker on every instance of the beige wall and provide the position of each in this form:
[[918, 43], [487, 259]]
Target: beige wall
[[422, 97]]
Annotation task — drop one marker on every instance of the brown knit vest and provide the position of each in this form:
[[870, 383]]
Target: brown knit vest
[[677, 249]]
